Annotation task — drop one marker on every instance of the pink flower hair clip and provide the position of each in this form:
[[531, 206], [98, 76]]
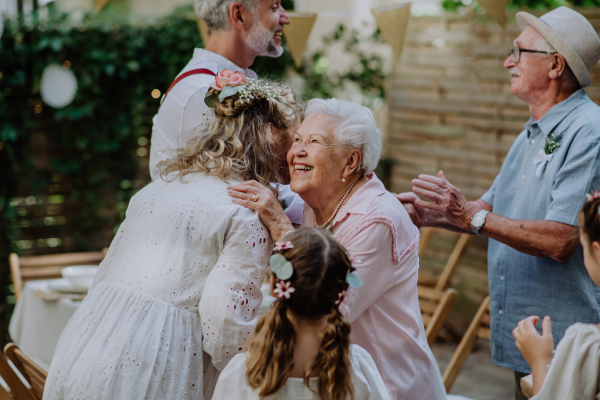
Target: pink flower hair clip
[[283, 246], [341, 296], [590, 197], [283, 289]]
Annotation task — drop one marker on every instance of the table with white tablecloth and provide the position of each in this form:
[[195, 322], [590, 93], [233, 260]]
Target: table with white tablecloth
[[36, 324]]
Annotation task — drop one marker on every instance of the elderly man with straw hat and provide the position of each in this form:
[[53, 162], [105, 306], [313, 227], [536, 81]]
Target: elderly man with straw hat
[[535, 261]]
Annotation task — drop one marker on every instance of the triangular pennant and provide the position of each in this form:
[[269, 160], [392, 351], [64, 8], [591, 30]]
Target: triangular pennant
[[100, 4], [203, 30], [392, 21], [495, 9], [297, 33]]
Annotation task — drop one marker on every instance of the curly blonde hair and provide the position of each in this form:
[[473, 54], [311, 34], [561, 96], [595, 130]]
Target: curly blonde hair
[[239, 143]]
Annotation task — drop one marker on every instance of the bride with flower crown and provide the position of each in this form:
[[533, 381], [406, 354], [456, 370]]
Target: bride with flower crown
[[174, 299]]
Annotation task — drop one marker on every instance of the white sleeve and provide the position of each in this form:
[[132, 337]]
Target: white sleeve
[[232, 290], [195, 115], [368, 383], [232, 381], [573, 373], [171, 131]]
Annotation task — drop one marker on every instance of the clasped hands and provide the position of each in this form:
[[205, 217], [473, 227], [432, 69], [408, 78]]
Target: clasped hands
[[447, 203]]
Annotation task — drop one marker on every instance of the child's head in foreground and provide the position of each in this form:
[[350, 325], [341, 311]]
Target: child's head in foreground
[[589, 226], [313, 291]]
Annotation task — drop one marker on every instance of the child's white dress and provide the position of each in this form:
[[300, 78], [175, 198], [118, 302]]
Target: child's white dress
[[173, 300], [574, 372], [367, 381]]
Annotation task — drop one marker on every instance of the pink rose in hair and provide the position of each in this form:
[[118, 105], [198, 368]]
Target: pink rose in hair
[[227, 77]]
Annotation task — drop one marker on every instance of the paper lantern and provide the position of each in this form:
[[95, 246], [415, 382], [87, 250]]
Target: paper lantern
[[58, 86]]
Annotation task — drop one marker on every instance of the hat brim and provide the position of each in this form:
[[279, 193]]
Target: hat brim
[[562, 47]]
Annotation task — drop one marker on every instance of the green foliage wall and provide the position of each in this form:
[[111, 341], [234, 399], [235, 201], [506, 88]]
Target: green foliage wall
[[453, 5]]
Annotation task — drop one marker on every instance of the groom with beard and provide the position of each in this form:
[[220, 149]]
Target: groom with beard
[[239, 32]]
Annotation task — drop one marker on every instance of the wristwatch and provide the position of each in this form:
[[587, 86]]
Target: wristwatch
[[478, 220]]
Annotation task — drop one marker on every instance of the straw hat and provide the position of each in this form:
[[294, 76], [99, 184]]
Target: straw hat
[[571, 35]]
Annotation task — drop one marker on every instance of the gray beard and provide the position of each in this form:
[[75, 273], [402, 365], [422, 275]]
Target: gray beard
[[260, 39]]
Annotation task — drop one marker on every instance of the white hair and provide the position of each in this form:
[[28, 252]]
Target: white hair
[[215, 13], [356, 129], [571, 82]]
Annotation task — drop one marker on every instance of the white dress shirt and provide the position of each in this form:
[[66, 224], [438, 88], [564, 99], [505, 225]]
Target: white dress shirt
[[184, 110]]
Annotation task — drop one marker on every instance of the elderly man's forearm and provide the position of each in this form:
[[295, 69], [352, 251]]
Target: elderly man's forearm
[[547, 239]]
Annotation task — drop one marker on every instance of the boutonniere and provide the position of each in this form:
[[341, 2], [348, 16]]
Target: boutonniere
[[553, 142]]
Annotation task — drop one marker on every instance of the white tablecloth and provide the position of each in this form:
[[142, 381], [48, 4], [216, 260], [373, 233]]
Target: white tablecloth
[[36, 324]]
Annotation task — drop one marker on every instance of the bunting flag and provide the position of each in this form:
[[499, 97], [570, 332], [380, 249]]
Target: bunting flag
[[203, 30], [297, 33], [495, 9], [392, 22], [100, 4]]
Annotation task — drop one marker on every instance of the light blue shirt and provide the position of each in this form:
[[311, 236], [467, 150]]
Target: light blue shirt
[[522, 285]]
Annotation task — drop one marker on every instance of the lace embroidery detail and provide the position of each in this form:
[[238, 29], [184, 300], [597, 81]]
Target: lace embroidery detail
[[396, 256]]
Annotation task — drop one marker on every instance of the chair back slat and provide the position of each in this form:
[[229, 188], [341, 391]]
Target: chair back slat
[[25, 269], [4, 395], [33, 373], [435, 306], [477, 329], [18, 389]]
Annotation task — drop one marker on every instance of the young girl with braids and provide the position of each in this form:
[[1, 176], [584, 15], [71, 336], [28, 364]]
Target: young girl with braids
[[572, 372], [301, 349]]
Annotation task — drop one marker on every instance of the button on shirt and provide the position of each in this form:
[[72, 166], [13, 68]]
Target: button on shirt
[[522, 285], [184, 112]]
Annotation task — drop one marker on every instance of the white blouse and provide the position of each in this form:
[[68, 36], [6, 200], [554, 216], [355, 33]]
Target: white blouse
[[173, 301], [574, 372], [367, 381]]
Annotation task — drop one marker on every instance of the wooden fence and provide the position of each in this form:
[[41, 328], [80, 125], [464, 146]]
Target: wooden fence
[[450, 109]]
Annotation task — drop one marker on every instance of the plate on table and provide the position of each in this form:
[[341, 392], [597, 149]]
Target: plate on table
[[64, 286]]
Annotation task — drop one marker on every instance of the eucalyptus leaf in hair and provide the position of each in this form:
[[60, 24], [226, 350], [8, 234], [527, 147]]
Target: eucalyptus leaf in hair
[[281, 266], [211, 98], [229, 91], [353, 280]]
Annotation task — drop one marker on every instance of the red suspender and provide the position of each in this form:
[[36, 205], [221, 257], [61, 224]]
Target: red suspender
[[185, 75]]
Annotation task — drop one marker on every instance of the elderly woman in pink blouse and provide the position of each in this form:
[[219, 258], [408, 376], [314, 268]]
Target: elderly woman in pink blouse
[[331, 165]]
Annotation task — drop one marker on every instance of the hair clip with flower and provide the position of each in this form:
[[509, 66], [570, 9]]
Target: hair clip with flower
[[341, 296], [227, 83], [283, 289], [281, 266], [283, 246], [590, 197]]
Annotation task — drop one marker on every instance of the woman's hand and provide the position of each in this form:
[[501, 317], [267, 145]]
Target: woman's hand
[[537, 349], [267, 206]]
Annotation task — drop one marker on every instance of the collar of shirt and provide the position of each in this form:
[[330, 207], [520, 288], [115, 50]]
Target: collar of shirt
[[223, 62], [556, 114], [358, 203]]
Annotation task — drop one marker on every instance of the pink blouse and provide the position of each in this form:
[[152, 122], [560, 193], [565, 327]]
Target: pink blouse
[[384, 312]]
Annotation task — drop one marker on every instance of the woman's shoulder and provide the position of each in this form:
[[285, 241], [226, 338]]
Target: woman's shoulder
[[580, 332]]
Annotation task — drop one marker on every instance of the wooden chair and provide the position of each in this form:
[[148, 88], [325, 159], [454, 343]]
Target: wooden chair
[[24, 269], [441, 282], [479, 328], [4, 395], [18, 389], [435, 306], [33, 373]]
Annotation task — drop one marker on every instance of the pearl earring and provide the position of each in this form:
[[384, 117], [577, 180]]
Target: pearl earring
[[343, 179]]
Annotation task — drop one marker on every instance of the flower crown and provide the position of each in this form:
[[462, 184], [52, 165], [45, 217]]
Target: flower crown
[[284, 270], [228, 83]]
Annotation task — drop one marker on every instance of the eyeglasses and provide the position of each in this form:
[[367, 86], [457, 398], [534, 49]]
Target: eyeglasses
[[516, 53]]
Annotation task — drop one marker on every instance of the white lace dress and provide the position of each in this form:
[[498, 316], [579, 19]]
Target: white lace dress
[[173, 302], [367, 382]]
